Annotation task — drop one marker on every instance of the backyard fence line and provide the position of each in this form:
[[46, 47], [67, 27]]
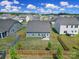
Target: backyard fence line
[[39, 52], [31, 52], [25, 53]]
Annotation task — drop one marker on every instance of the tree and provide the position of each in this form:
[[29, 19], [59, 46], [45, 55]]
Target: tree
[[59, 53], [13, 53]]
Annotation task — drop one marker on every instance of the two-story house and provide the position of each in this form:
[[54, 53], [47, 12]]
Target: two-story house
[[67, 25]]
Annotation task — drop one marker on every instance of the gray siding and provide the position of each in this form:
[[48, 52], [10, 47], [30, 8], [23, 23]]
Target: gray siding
[[14, 28], [57, 27]]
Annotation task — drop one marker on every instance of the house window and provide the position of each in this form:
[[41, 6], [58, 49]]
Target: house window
[[75, 31], [71, 26], [72, 31], [3, 34], [65, 31], [43, 35], [76, 26], [67, 26], [38, 34], [33, 34]]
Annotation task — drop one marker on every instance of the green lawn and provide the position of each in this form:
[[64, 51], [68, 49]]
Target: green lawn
[[33, 44], [39, 44], [55, 42], [71, 42], [5, 41], [36, 43]]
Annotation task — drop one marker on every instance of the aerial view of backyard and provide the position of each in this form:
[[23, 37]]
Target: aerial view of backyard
[[39, 29]]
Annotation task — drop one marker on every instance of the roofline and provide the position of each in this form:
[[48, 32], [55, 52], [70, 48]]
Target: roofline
[[13, 24]]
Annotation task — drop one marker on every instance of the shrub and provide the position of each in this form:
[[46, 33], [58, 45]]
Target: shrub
[[13, 53], [49, 45], [59, 53]]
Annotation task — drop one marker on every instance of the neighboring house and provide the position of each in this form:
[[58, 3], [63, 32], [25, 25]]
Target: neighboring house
[[45, 18], [36, 17], [8, 26], [67, 25], [28, 18], [17, 19], [37, 28], [32, 17]]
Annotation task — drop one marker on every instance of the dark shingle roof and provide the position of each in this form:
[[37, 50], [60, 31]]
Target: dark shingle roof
[[38, 26], [5, 24], [67, 20]]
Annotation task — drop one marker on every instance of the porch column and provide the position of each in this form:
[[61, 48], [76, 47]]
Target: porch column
[[1, 36]]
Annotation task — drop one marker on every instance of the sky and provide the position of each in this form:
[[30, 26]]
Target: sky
[[40, 6]]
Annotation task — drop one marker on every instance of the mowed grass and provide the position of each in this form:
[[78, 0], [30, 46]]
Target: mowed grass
[[5, 41], [71, 42], [33, 44], [55, 42], [36, 43]]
